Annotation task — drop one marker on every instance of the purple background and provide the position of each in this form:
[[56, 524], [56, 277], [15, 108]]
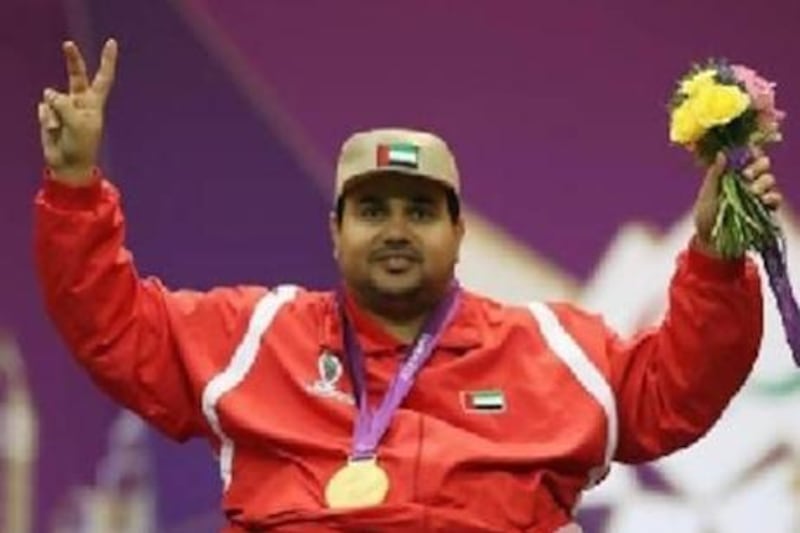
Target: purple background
[[226, 117]]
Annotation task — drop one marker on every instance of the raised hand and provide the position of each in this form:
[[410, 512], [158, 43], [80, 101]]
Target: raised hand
[[72, 122], [760, 181]]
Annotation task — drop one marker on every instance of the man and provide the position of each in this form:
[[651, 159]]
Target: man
[[400, 402]]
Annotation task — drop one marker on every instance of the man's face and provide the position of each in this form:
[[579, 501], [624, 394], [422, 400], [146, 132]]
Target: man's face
[[396, 238]]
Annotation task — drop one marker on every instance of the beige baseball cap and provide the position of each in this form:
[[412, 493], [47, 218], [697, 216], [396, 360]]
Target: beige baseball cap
[[417, 153]]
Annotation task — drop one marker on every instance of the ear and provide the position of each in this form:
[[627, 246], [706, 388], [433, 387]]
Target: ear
[[335, 229], [460, 229]]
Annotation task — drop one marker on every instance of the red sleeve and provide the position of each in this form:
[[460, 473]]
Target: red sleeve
[[672, 383], [150, 349]]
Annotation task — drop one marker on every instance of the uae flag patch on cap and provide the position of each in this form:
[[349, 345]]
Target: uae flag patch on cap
[[484, 400], [398, 155]]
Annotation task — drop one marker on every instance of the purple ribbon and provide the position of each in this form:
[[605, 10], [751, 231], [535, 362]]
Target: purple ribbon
[[774, 257], [738, 158], [775, 265], [371, 425]]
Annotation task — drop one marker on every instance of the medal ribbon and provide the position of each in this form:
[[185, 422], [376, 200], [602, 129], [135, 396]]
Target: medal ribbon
[[371, 424]]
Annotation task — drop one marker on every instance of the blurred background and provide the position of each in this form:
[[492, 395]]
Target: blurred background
[[222, 133]]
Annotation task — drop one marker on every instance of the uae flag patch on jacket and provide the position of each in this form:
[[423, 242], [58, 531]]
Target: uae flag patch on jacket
[[398, 155], [490, 401]]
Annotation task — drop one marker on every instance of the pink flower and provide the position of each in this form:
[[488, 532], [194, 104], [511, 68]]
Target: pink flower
[[762, 93]]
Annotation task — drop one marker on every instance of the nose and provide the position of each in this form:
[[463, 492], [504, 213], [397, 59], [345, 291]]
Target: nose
[[396, 231]]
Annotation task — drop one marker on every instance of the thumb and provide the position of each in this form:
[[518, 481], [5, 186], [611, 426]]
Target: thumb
[[707, 203], [713, 175]]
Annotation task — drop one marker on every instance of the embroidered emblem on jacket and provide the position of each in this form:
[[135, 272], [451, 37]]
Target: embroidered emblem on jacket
[[330, 372]]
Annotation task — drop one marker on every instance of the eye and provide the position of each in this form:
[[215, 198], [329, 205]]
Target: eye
[[422, 212], [370, 211]]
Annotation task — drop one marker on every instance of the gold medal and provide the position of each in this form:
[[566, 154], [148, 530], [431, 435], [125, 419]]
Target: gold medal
[[359, 483]]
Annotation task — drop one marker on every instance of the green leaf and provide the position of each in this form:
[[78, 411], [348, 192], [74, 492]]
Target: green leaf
[[732, 192]]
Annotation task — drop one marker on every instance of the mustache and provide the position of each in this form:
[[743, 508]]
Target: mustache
[[404, 251]]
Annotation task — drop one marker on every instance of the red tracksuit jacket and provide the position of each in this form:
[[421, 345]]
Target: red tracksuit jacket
[[518, 410]]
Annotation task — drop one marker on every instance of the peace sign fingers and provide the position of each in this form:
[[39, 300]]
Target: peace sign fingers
[[104, 78], [76, 68]]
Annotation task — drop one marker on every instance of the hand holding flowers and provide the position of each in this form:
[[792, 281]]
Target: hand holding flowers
[[725, 115]]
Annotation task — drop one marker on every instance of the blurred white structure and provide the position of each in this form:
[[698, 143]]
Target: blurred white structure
[[18, 430], [123, 497]]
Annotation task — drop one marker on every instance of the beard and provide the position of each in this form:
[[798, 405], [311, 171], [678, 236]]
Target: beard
[[400, 295]]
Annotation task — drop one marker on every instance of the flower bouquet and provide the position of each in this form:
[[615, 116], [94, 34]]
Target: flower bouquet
[[726, 108]]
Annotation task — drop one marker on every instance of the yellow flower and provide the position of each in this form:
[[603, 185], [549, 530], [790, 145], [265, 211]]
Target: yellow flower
[[696, 83], [715, 105], [712, 104], [684, 128]]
